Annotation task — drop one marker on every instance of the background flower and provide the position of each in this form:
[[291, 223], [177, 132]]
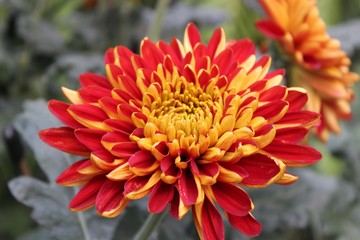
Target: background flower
[[186, 124], [317, 62]]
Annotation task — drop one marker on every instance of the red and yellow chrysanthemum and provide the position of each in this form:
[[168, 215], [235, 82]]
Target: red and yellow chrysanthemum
[[186, 124], [320, 66]]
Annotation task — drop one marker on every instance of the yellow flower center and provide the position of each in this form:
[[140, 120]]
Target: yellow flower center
[[182, 114]]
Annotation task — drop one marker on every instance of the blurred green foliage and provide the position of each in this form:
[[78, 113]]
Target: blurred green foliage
[[47, 44]]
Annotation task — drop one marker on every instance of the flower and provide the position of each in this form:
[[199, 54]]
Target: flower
[[319, 65], [186, 124]]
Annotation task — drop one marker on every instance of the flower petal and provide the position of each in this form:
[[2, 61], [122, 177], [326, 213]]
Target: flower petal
[[59, 109], [91, 138], [86, 197], [211, 221], [292, 154], [91, 79], [261, 169], [139, 186], [143, 163], [245, 224], [64, 139], [90, 116], [71, 176], [110, 200], [224, 194], [187, 188], [160, 196]]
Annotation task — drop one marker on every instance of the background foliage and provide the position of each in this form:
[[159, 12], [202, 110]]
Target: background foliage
[[46, 44]]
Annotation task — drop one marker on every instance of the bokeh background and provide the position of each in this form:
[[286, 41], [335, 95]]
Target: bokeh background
[[46, 44]]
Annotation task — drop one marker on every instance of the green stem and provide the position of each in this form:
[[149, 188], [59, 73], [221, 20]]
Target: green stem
[[155, 27], [151, 223]]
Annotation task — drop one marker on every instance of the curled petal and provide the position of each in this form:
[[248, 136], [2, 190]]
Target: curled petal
[[138, 187], [143, 163]]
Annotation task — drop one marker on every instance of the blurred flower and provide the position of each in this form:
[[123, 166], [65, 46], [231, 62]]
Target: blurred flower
[[186, 124], [320, 66]]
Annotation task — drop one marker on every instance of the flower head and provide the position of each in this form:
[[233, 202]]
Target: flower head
[[186, 124], [320, 66]]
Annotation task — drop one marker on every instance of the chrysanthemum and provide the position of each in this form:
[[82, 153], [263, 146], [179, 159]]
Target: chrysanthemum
[[186, 124], [320, 66]]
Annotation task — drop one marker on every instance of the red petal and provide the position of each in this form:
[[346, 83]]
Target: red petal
[[270, 110], [292, 154], [94, 93], [291, 134], [232, 198], [300, 117], [137, 183], [187, 188], [125, 149], [160, 196], [71, 177], [261, 169], [212, 223], [130, 86], [214, 42], [193, 34], [109, 197], [271, 94], [116, 137], [91, 138], [174, 205], [167, 50], [223, 60], [120, 125], [296, 99], [64, 139], [88, 112], [151, 53], [141, 159], [59, 109], [243, 49], [124, 52], [247, 224], [109, 56], [86, 197], [127, 110], [91, 79], [270, 29], [128, 68], [110, 106]]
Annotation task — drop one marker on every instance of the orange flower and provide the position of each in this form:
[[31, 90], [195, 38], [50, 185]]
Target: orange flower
[[320, 66], [186, 124]]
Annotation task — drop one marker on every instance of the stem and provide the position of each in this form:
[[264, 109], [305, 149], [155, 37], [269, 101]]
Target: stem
[[155, 27], [80, 215], [83, 225], [151, 223]]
